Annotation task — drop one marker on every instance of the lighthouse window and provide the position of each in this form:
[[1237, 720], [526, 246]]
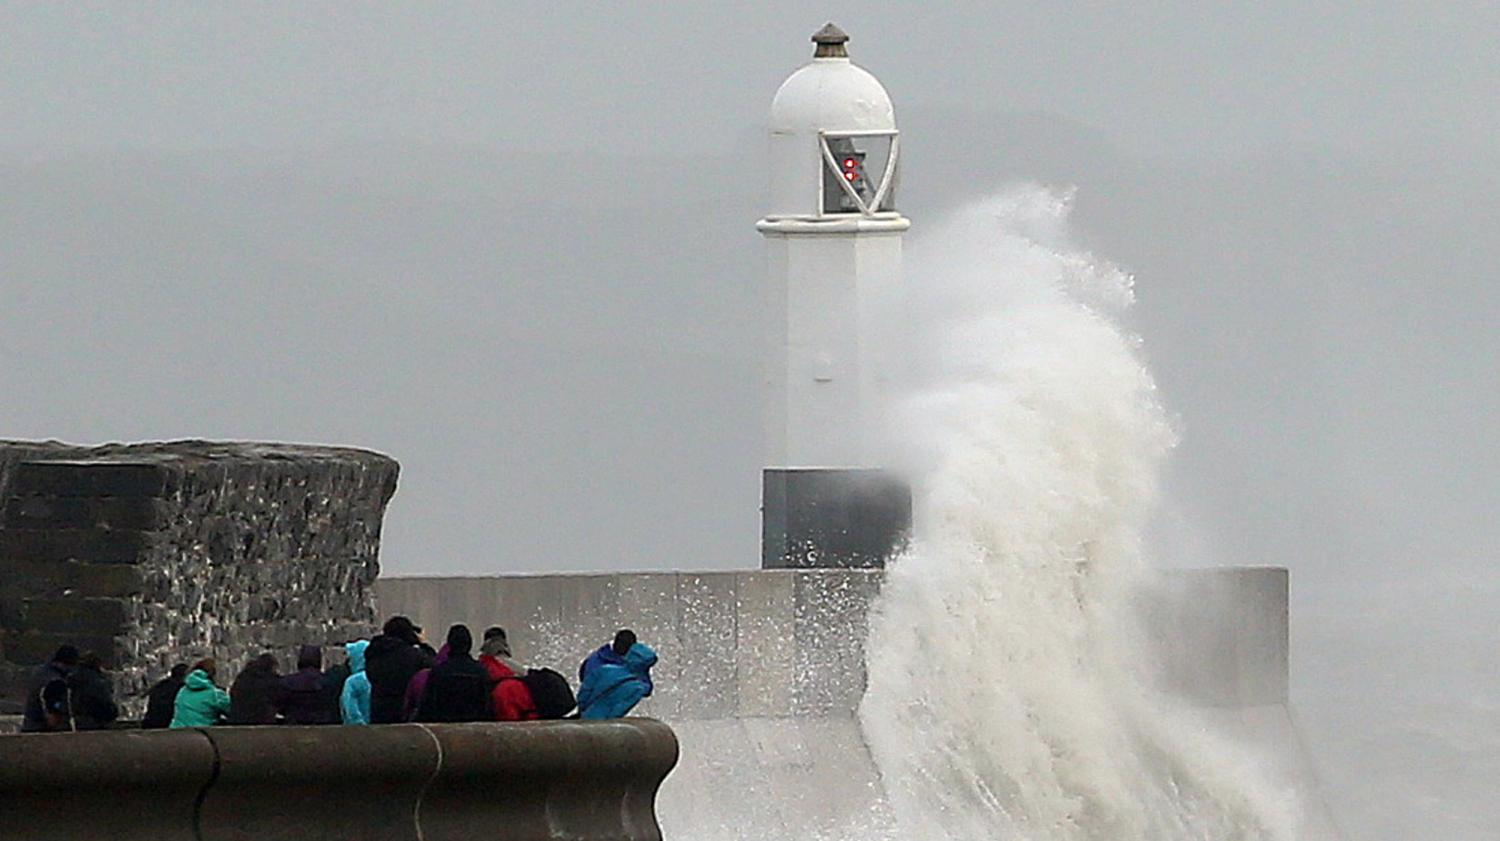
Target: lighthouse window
[[856, 168]]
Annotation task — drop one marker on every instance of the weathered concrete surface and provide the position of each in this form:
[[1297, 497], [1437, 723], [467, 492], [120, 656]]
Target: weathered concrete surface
[[117, 785], [152, 553], [508, 782], [791, 642], [755, 643], [762, 671], [300, 783], [548, 781]]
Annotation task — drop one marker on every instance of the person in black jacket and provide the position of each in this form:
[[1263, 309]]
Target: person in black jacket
[[92, 695], [459, 688], [303, 697], [252, 696], [47, 708], [390, 661], [159, 704]]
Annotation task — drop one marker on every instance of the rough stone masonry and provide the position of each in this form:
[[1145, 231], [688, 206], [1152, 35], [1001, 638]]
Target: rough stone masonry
[[155, 553]]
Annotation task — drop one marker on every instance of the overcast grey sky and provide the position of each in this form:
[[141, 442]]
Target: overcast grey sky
[[1154, 77], [513, 246]]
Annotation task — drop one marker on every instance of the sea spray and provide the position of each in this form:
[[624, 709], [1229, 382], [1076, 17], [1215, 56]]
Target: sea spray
[[1005, 696]]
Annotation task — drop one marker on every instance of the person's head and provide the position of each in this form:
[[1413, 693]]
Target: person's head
[[496, 643], [402, 628], [66, 655], [262, 664], [179, 671], [624, 639], [91, 660], [460, 640], [310, 657], [208, 666]]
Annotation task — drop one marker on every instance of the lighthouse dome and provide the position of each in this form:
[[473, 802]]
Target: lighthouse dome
[[831, 94]]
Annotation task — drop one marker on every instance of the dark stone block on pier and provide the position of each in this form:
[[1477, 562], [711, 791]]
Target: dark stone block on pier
[[21, 578], [118, 513], [832, 518], [87, 478], [97, 546]]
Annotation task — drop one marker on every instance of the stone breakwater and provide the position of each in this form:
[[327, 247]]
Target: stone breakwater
[[155, 553]]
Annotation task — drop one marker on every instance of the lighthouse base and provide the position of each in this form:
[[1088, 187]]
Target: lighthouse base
[[832, 518]]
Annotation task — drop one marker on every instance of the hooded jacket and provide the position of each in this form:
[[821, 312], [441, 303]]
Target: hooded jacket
[[417, 686], [199, 703], [160, 702], [510, 700], [610, 690], [390, 662], [252, 696], [93, 699], [47, 705], [605, 655], [354, 702], [457, 690], [302, 697]]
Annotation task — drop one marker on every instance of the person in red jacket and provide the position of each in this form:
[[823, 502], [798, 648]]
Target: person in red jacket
[[510, 698]]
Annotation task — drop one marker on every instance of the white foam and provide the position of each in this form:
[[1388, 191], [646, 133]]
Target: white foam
[[1005, 695]]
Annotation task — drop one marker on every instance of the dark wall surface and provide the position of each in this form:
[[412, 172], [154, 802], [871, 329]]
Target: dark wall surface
[[154, 553]]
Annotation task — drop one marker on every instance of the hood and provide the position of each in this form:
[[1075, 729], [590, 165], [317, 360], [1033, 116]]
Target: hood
[[310, 657], [496, 646], [640, 658], [606, 654], [198, 680], [500, 668], [383, 645], [356, 653]]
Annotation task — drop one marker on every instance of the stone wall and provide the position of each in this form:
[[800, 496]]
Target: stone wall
[[155, 553]]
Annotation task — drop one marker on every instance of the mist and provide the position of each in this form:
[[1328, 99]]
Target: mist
[[515, 250]]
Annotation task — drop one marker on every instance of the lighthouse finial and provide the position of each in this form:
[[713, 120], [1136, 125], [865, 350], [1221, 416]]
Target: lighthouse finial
[[830, 40]]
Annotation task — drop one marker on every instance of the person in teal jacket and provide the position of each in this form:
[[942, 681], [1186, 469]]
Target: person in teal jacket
[[199, 702], [610, 690], [354, 704]]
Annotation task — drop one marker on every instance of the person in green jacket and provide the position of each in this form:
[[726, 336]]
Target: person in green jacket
[[200, 703]]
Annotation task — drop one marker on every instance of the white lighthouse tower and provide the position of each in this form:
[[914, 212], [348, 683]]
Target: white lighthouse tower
[[833, 236]]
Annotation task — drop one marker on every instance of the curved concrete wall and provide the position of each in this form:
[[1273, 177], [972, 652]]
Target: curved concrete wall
[[512, 782]]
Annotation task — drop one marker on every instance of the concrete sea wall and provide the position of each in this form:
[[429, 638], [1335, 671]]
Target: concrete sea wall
[[152, 553], [520, 782], [791, 642], [762, 671]]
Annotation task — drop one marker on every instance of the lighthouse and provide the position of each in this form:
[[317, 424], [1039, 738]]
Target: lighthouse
[[833, 239]]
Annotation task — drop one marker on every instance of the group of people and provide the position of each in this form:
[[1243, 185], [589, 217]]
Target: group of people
[[394, 677], [70, 692]]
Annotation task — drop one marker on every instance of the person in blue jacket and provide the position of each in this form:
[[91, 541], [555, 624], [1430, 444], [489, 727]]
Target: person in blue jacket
[[610, 652], [615, 682], [354, 701]]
